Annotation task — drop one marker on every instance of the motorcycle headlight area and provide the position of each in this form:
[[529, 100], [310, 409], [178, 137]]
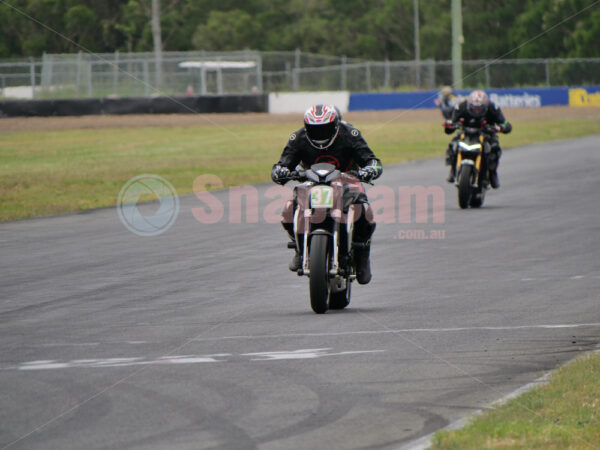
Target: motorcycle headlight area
[[469, 148]]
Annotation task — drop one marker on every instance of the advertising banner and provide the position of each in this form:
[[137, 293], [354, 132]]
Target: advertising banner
[[505, 98]]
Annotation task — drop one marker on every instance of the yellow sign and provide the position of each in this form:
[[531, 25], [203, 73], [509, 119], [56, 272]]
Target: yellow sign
[[581, 97]]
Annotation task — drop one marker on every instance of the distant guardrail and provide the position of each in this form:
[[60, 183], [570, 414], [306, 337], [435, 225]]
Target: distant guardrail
[[292, 102]]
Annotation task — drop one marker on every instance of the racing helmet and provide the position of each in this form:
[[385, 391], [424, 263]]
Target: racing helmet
[[322, 125], [446, 92], [478, 103]]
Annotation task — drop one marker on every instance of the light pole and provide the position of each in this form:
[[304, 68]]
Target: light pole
[[457, 42], [156, 36], [417, 45]]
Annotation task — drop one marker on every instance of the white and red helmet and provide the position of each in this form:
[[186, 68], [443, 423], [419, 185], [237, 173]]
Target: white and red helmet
[[322, 125], [478, 103]]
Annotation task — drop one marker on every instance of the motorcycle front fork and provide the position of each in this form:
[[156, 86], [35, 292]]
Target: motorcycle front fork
[[336, 262]]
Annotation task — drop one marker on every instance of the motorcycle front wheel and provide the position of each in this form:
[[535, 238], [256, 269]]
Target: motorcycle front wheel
[[464, 186], [319, 273]]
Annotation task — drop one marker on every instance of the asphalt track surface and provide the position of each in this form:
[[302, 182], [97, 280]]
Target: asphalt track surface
[[201, 338]]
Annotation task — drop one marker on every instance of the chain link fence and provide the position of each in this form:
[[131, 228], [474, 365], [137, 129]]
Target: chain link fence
[[203, 73]]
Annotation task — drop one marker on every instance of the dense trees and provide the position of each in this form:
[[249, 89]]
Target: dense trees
[[370, 29]]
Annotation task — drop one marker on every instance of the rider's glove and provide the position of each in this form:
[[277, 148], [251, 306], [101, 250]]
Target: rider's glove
[[370, 171], [506, 127], [366, 174], [280, 174], [449, 126]]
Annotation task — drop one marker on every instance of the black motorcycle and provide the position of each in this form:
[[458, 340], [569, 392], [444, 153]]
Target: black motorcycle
[[324, 220], [472, 178]]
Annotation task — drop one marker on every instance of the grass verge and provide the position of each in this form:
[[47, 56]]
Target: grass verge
[[49, 172], [565, 413]]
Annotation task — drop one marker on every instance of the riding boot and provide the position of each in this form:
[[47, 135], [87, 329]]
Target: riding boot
[[363, 265], [494, 181], [452, 175], [451, 161], [493, 162], [296, 262]]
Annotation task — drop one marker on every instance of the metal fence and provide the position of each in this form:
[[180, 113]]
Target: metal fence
[[135, 74]]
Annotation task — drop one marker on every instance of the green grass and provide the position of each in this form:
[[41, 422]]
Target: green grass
[[49, 172], [565, 414]]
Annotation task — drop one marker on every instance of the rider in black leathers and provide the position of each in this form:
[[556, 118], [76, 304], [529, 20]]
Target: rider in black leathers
[[325, 138], [475, 112]]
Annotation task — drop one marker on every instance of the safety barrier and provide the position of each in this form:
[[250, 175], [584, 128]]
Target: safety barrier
[[156, 105], [292, 102]]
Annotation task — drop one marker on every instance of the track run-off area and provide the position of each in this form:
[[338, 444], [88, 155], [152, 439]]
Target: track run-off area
[[201, 338]]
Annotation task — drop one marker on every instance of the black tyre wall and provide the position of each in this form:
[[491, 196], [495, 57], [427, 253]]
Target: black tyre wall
[[155, 105]]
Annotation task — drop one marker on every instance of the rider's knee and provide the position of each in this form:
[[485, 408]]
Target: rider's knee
[[287, 212], [368, 214]]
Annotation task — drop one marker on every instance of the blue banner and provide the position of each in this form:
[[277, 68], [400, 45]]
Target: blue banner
[[505, 98]]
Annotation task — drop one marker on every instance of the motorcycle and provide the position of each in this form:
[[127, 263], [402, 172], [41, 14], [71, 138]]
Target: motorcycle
[[323, 226], [472, 178]]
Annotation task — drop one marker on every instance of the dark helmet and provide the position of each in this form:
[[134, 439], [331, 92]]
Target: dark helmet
[[478, 103], [322, 125]]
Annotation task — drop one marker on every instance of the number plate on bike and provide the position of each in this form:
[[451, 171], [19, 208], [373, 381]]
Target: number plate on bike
[[321, 197]]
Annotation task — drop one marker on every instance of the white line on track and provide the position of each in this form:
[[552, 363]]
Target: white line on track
[[560, 278], [308, 353], [87, 344], [403, 330], [340, 333]]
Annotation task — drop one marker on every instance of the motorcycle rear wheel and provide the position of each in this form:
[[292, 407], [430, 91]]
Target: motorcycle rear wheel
[[464, 186], [319, 273]]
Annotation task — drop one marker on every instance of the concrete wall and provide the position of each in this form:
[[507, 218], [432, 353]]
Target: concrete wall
[[298, 102]]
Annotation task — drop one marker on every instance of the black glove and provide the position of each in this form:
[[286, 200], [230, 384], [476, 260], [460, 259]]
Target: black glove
[[449, 126], [506, 127], [280, 174], [366, 174]]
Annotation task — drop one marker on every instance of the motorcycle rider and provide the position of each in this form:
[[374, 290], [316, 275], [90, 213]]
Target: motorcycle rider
[[325, 138], [446, 101], [475, 112]]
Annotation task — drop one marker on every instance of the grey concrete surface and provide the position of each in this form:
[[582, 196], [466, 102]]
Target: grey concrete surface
[[200, 338]]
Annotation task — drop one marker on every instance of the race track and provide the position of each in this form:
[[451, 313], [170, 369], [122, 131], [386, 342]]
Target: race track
[[200, 338]]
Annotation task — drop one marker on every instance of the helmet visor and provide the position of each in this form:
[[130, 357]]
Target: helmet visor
[[478, 110], [321, 133]]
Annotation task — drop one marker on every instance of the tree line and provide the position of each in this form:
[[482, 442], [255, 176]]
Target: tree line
[[367, 29]]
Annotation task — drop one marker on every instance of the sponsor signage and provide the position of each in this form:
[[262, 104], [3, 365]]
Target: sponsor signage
[[584, 96], [505, 98]]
